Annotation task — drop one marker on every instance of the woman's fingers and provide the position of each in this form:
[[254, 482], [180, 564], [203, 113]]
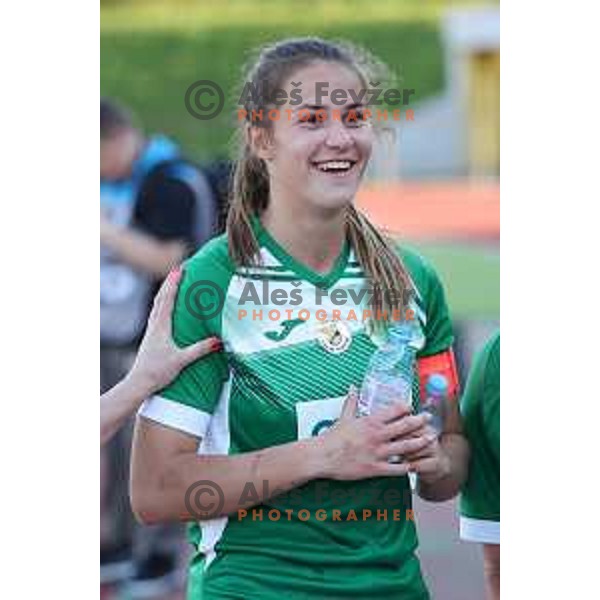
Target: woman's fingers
[[416, 456], [156, 303], [424, 465], [350, 404], [407, 447], [406, 426], [394, 412], [166, 300], [191, 353], [159, 311], [369, 442], [391, 469]]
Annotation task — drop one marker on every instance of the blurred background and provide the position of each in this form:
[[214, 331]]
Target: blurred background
[[434, 183]]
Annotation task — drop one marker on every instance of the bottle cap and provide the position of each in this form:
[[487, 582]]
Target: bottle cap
[[437, 385]]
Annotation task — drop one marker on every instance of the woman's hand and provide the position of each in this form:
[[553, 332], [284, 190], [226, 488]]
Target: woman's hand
[[361, 447], [431, 463], [159, 360]]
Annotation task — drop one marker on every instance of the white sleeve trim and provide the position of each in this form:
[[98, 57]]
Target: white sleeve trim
[[176, 415], [479, 530]]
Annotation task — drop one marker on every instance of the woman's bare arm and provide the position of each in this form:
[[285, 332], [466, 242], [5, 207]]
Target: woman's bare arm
[[491, 567], [117, 405], [166, 466]]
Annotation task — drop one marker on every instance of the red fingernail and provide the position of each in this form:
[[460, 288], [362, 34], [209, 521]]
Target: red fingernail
[[174, 273], [216, 344]]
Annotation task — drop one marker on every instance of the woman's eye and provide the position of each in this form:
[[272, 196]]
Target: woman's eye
[[355, 118], [312, 120]]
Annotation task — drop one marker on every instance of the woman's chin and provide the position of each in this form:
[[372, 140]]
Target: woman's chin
[[332, 206], [335, 198]]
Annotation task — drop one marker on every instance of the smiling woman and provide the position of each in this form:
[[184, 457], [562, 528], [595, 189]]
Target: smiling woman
[[276, 410], [323, 151]]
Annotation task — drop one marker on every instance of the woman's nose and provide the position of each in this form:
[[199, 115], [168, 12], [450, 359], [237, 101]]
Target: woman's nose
[[338, 135]]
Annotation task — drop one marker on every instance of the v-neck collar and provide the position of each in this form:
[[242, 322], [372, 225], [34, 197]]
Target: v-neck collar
[[323, 280]]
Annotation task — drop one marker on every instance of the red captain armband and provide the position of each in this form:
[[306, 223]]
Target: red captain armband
[[442, 363]]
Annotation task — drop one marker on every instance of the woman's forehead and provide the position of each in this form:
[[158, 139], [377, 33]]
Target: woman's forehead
[[317, 81]]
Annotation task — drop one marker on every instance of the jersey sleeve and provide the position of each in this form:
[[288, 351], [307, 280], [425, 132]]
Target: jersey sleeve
[[480, 408], [188, 403]]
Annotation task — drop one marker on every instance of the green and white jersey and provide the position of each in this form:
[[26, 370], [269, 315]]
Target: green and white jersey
[[279, 380], [480, 408]]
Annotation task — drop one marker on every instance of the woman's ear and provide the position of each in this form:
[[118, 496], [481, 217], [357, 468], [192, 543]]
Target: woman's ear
[[260, 140]]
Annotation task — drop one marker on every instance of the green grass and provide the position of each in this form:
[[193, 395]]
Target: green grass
[[151, 55], [471, 277]]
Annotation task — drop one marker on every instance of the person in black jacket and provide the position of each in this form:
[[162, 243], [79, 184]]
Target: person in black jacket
[[160, 228]]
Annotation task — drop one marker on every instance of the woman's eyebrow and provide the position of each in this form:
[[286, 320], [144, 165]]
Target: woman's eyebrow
[[309, 106], [353, 106]]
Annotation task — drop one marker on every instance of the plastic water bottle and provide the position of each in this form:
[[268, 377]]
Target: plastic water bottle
[[388, 380], [436, 394], [389, 375]]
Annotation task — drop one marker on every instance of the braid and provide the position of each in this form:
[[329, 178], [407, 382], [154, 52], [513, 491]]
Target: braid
[[392, 285]]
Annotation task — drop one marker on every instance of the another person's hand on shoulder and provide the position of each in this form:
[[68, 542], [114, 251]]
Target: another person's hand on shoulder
[[159, 360]]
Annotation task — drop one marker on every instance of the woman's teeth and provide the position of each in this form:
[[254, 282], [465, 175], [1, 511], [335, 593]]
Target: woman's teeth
[[335, 166]]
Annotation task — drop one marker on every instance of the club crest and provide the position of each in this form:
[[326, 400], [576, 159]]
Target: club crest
[[334, 336]]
